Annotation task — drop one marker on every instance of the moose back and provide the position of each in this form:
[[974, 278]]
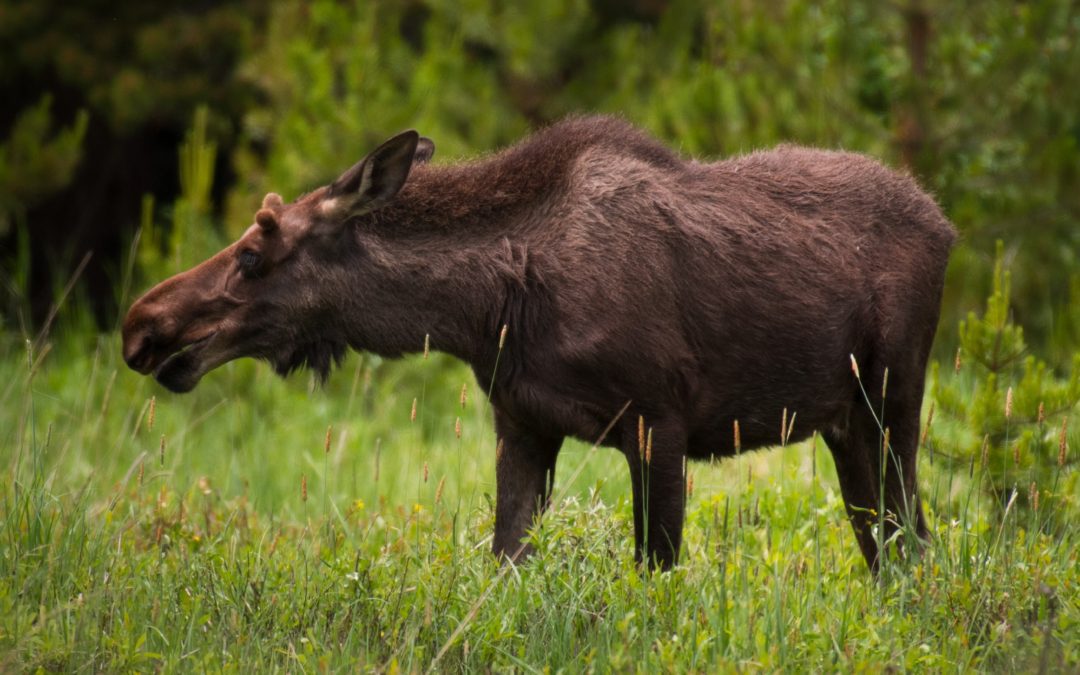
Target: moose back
[[637, 294]]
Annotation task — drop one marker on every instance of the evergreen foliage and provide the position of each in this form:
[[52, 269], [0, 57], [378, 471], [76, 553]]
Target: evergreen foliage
[[36, 160], [1007, 411], [973, 97]]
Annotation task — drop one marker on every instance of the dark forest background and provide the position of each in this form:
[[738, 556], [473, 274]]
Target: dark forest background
[[117, 116]]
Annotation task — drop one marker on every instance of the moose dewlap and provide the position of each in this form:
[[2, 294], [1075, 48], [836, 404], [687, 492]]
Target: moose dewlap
[[642, 294]]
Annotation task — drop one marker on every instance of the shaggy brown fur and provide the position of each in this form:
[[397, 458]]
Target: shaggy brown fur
[[696, 294]]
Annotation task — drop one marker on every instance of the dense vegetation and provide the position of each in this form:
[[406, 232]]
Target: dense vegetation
[[279, 524], [976, 98]]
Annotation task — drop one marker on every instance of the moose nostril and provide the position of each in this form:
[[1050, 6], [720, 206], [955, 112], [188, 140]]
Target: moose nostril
[[138, 358]]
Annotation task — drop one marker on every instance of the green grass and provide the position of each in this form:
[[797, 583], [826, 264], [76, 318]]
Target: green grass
[[117, 555]]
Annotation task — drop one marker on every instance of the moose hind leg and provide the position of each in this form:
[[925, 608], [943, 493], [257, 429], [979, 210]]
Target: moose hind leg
[[878, 483], [903, 344], [858, 485], [524, 478], [901, 418], [659, 491]]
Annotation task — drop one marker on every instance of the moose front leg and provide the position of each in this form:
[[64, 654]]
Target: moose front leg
[[524, 477], [656, 451]]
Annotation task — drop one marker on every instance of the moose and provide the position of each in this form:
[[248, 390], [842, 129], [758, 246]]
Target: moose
[[608, 290]]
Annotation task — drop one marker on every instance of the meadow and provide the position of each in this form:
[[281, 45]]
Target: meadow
[[262, 525], [283, 526]]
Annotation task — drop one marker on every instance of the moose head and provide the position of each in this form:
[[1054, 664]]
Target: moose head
[[283, 291]]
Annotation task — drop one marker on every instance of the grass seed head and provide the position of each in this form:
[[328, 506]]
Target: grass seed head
[[641, 437], [1062, 443], [648, 447], [464, 389], [1041, 417], [425, 471], [738, 438], [929, 421], [957, 361], [326, 441], [1033, 496], [502, 336], [690, 485], [884, 383], [439, 489], [150, 415], [427, 345], [161, 450], [1008, 403], [985, 459], [457, 427], [855, 367], [783, 427], [412, 413]]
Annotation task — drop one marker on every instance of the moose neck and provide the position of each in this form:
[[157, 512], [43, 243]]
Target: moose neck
[[454, 258]]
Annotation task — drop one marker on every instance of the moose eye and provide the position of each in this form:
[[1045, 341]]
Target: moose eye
[[249, 261]]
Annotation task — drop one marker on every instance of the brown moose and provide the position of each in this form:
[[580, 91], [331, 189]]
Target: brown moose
[[639, 291]]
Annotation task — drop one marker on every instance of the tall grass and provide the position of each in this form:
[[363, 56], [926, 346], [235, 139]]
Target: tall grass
[[257, 524], [123, 551]]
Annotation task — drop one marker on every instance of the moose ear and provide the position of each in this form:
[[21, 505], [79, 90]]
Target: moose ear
[[374, 180], [425, 150], [272, 200]]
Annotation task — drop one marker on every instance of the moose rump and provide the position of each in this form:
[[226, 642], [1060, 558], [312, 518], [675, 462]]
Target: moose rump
[[670, 308]]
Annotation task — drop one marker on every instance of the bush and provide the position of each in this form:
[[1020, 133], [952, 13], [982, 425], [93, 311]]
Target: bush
[[1007, 411]]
